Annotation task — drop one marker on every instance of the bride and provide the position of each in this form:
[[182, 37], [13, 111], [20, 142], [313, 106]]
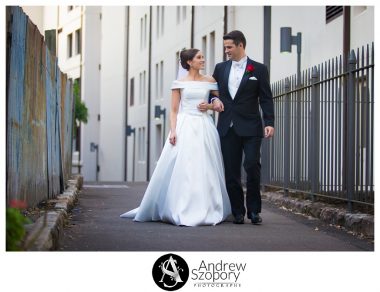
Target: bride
[[188, 185]]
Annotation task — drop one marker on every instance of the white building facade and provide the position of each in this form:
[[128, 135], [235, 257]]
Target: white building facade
[[129, 58]]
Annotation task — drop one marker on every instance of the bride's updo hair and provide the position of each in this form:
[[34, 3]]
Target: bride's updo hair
[[187, 55]]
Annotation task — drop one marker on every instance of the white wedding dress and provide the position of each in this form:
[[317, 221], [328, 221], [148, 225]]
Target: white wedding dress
[[188, 186]]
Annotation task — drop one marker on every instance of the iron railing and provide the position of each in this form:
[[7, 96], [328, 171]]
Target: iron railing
[[323, 144]]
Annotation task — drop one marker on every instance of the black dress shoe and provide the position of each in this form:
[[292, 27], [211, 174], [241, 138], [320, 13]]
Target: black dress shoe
[[239, 219], [255, 218]]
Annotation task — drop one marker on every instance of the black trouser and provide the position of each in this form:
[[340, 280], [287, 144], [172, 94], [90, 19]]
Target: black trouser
[[232, 149]]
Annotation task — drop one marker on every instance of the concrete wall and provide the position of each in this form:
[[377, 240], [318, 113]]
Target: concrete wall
[[112, 93], [91, 26]]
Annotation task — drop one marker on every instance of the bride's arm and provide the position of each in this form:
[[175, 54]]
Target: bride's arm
[[216, 104], [205, 106], [176, 97]]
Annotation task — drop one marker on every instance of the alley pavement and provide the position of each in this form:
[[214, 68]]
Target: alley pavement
[[94, 225]]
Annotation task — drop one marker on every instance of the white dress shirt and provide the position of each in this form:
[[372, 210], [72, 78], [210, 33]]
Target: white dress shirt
[[236, 75]]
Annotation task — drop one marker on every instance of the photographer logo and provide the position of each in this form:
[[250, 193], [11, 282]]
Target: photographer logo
[[170, 272]]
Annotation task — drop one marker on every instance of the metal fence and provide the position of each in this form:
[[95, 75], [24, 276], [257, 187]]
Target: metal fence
[[39, 115], [323, 144]]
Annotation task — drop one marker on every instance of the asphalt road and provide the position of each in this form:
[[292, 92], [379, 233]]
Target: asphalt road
[[95, 225]]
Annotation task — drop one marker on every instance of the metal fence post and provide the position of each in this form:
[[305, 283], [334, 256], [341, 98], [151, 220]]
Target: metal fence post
[[350, 158], [314, 131], [297, 133], [287, 138], [265, 160]]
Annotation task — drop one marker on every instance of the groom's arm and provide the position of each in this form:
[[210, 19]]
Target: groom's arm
[[214, 75], [266, 98]]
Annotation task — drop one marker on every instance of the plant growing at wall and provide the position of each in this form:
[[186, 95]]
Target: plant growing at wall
[[15, 222], [81, 111]]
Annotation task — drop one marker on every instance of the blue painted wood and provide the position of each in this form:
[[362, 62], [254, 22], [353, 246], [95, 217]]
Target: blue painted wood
[[49, 118], [39, 117], [15, 102], [57, 162], [66, 130], [33, 165]]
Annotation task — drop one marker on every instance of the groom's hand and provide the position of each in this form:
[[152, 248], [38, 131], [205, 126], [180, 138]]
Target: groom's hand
[[217, 105], [268, 132]]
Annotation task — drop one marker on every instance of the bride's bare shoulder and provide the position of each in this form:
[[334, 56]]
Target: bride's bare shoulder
[[208, 78]]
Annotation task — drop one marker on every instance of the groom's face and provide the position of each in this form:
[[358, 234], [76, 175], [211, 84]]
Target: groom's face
[[233, 52]]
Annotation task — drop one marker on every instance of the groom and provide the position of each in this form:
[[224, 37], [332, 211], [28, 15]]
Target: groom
[[243, 86]]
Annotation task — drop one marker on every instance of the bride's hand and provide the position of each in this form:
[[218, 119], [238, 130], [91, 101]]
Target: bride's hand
[[203, 106], [173, 138]]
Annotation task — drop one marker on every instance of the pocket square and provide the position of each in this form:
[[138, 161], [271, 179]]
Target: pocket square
[[252, 78]]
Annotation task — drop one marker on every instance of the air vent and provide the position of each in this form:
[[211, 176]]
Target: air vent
[[333, 12]]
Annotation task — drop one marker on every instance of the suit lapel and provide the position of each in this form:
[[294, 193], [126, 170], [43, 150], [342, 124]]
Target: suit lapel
[[226, 76], [244, 79]]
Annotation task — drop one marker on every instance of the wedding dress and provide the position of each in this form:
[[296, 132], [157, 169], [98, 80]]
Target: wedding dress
[[188, 185]]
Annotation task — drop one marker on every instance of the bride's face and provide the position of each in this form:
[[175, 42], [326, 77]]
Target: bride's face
[[198, 62]]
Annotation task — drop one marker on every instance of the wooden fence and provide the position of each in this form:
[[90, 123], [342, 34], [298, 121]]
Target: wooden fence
[[39, 101]]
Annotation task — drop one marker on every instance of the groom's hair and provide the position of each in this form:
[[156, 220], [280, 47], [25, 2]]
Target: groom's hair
[[237, 36]]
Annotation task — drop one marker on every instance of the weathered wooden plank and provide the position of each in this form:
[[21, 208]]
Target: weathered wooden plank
[[39, 115], [15, 102], [66, 125], [33, 170]]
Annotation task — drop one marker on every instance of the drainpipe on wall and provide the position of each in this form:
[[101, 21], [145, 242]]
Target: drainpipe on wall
[[126, 94], [346, 52], [192, 27], [265, 169], [346, 33], [225, 29], [267, 35], [149, 92]]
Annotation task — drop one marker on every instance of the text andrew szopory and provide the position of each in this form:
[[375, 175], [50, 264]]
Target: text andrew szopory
[[229, 272]]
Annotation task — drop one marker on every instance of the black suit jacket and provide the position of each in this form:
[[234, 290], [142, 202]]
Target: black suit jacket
[[243, 110]]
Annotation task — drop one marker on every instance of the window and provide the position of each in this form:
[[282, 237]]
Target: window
[[158, 17], [181, 14], [70, 45], [162, 19], [132, 92], [211, 58], [145, 29], [158, 141], [208, 50], [333, 12], [159, 80], [161, 87], [178, 14], [141, 33], [78, 41], [141, 146], [204, 50], [142, 87]]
